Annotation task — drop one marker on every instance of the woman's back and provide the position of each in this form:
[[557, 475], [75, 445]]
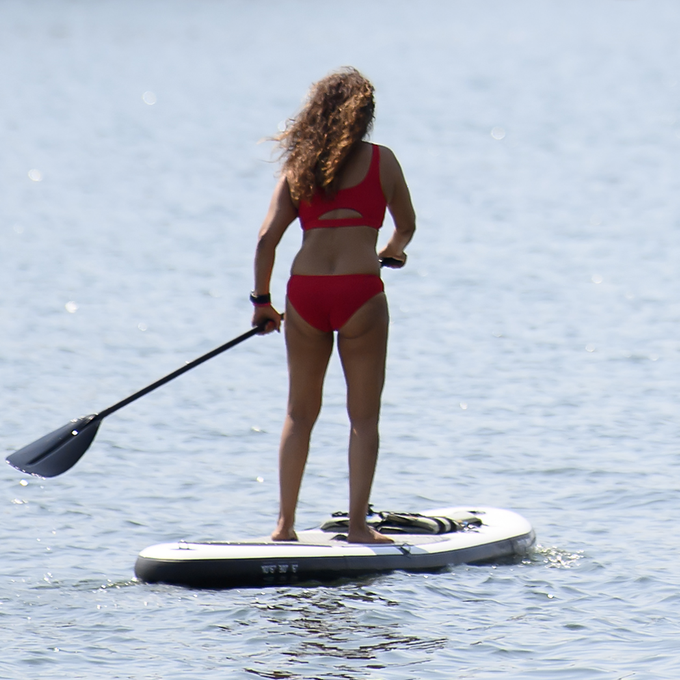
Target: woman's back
[[340, 233]]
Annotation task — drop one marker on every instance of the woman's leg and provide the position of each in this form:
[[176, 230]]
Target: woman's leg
[[362, 343], [308, 351]]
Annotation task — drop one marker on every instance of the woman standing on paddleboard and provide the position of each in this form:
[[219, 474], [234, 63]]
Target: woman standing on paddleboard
[[339, 186]]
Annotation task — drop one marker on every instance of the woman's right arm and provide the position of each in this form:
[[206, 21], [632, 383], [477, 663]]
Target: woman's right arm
[[279, 216], [400, 207]]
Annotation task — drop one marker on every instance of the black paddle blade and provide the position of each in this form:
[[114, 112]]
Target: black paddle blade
[[57, 451]]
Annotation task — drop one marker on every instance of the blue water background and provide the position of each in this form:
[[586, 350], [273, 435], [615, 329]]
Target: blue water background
[[534, 349]]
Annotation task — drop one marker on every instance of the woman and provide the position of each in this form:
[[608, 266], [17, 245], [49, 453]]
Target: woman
[[339, 186]]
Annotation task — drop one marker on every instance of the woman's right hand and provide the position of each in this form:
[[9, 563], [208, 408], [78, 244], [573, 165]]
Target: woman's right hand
[[267, 314]]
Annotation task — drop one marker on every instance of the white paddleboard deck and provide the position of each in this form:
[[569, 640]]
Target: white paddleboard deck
[[484, 534]]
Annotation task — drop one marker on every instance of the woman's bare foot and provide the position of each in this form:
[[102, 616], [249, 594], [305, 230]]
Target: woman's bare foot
[[367, 535], [283, 533]]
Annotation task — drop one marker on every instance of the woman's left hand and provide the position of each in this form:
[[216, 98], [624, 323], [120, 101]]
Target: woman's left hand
[[391, 260]]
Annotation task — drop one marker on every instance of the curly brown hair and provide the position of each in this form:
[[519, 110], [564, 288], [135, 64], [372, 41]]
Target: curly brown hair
[[337, 115]]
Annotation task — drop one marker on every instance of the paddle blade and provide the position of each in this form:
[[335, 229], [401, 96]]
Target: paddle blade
[[58, 451]]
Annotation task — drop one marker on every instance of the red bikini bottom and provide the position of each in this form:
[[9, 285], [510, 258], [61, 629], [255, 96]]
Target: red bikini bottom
[[328, 302]]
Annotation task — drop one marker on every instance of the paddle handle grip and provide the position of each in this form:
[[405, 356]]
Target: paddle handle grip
[[392, 262]]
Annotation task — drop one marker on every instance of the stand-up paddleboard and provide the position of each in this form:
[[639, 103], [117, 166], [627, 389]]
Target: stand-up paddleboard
[[422, 542]]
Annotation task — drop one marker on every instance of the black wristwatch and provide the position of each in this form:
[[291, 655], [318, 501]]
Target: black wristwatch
[[261, 300]]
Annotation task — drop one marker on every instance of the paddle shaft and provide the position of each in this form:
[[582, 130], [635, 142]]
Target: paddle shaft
[[187, 367], [60, 450], [386, 262]]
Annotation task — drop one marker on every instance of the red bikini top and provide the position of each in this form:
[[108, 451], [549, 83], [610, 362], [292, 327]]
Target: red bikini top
[[366, 198]]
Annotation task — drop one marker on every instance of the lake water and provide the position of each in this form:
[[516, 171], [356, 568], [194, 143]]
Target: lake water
[[534, 351]]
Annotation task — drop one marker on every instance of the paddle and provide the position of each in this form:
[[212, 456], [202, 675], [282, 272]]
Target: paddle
[[392, 262], [60, 450]]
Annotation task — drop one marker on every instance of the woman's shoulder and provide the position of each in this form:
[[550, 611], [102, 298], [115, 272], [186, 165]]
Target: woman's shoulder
[[383, 149], [390, 170], [388, 159]]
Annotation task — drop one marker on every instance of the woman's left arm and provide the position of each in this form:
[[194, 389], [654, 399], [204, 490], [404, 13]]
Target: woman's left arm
[[400, 207], [279, 216]]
